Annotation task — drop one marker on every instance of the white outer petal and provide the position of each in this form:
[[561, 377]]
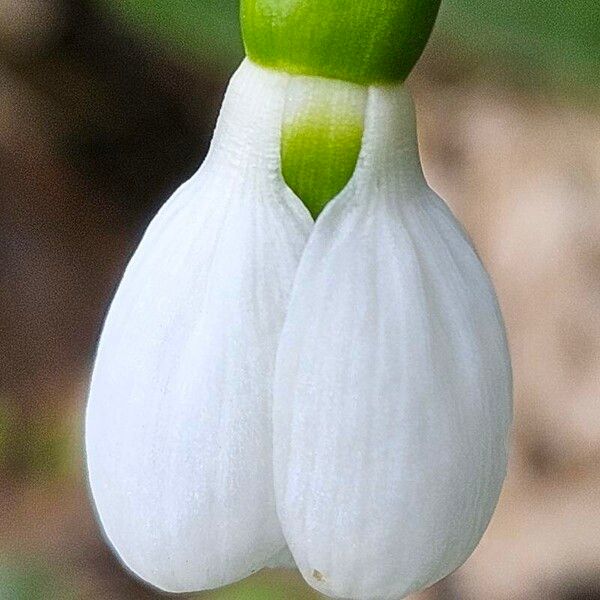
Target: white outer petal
[[393, 381], [178, 427]]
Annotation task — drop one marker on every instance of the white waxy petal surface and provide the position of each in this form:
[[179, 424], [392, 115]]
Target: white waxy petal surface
[[393, 382], [178, 427]]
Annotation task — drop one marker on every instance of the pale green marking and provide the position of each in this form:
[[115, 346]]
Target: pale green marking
[[321, 138]]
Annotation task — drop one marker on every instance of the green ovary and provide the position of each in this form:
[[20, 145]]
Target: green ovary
[[361, 41]]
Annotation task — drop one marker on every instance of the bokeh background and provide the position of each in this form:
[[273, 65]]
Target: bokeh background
[[106, 106]]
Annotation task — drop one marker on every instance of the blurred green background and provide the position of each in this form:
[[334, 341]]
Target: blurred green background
[[106, 105]]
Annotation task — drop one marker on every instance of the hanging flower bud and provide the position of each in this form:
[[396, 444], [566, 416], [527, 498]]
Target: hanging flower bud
[[270, 390]]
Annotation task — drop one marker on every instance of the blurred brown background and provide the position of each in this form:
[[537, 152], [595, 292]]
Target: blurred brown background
[[105, 108]]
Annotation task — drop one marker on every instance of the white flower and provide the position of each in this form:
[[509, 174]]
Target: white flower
[[340, 387]]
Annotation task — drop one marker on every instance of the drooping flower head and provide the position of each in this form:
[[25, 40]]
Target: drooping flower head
[[305, 363]]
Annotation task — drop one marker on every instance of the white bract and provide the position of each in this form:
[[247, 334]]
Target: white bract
[[341, 388]]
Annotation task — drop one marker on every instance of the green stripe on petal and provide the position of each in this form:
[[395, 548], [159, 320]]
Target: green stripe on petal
[[321, 138]]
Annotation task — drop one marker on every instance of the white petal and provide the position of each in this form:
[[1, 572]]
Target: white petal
[[393, 383], [178, 426], [282, 560]]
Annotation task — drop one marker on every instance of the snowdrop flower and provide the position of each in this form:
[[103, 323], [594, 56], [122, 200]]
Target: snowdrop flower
[[333, 394]]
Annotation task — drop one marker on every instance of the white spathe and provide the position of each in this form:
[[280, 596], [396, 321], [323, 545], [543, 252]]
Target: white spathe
[[393, 381], [178, 427], [341, 386]]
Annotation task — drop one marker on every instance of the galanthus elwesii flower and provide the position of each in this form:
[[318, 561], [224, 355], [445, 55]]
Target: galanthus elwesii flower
[[332, 395]]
